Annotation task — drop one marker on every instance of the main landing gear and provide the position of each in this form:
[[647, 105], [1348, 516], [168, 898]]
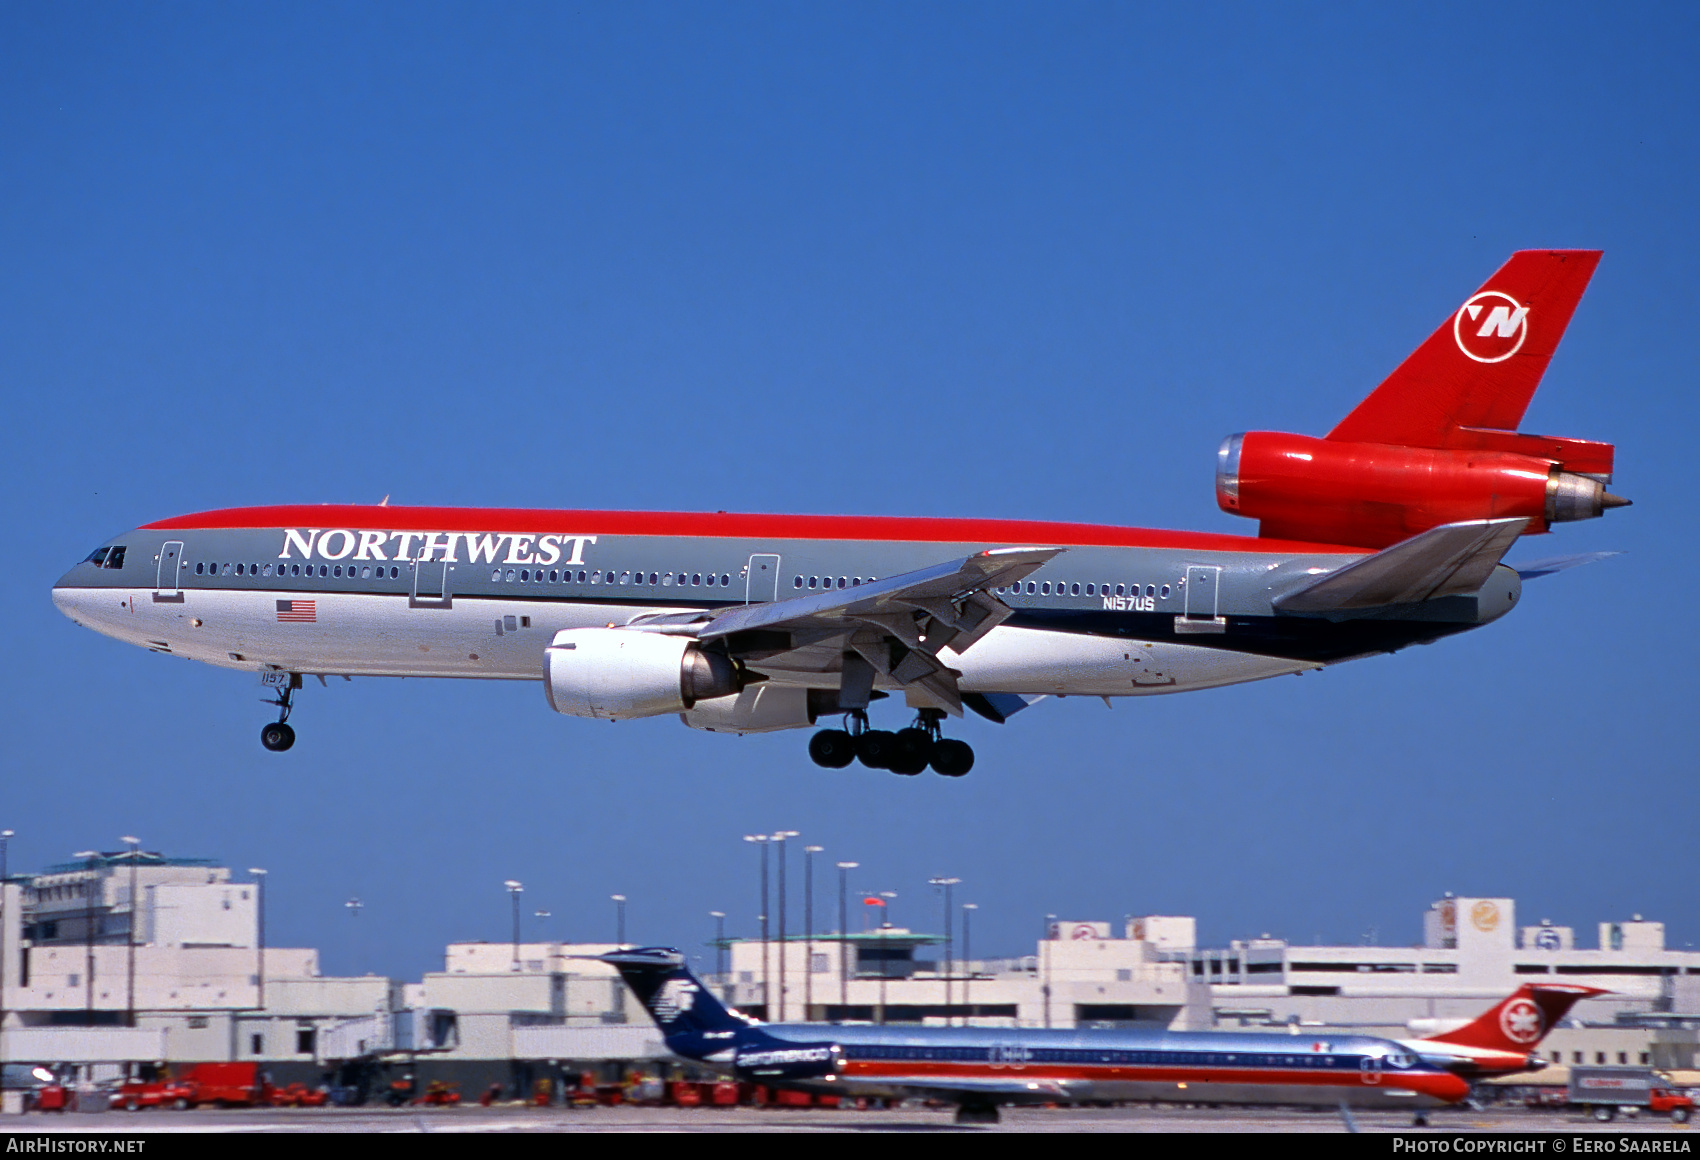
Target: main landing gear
[[907, 751], [278, 736]]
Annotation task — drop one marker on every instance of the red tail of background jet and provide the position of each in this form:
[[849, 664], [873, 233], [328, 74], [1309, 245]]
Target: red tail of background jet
[[1437, 442], [1521, 1021]]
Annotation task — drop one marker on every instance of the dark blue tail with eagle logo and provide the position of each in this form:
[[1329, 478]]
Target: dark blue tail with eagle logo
[[699, 1026]]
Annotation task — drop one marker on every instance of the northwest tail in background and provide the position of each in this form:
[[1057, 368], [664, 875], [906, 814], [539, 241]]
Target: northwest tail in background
[[1437, 441]]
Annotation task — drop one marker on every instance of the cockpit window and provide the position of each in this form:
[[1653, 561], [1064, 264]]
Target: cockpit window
[[97, 556], [115, 557]]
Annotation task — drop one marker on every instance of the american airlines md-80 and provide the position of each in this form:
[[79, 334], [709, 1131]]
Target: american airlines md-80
[[1385, 533]]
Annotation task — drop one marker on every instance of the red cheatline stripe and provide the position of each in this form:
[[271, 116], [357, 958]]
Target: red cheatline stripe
[[1441, 1086], [528, 521]]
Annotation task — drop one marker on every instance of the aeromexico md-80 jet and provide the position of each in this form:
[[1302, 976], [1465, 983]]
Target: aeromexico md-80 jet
[[1387, 532], [980, 1068]]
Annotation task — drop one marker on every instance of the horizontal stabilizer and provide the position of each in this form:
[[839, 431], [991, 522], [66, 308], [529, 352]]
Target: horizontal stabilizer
[[1535, 569], [1450, 560]]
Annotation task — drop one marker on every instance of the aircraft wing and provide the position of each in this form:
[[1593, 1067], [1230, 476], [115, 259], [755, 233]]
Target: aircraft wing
[[1452, 559], [896, 625]]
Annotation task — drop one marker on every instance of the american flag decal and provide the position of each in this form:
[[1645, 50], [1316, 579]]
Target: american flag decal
[[296, 612]]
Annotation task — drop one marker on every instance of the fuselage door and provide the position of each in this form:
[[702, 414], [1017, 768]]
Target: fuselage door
[[1201, 585], [761, 580], [1369, 1069], [1199, 591], [431, 584], [170, 564]]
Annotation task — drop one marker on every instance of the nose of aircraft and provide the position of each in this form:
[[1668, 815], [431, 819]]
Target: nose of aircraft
[[85, 605], [67, 599]]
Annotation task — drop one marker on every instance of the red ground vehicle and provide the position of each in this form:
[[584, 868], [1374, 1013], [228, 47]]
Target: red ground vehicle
[[50, 1098], [298, 1095], [136, 1095], [439, 1095], [1604, 1091], [228, 1085]]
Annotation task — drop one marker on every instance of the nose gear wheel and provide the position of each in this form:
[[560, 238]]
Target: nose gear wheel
[[278, 736]]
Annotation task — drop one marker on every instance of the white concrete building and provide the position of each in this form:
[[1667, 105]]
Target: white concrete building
[[1080, 975], [135, 959]]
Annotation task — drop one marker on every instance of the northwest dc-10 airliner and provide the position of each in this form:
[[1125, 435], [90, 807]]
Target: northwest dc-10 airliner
[[1387, 532]]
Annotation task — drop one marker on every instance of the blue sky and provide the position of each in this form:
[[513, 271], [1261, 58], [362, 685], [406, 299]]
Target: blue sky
[[1031, 261]]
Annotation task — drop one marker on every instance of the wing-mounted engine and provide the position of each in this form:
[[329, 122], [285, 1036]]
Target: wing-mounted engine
[[620, 673]]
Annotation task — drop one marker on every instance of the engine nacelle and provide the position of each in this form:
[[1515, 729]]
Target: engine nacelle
[[761, 708], [1372, 495], [618, 673]]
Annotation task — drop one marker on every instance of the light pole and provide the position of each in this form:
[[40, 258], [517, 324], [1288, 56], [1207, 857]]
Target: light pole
[[353, 906], [968, 965], [844, 869], [719, 917], [1045, 989], [947, 883], [809, 853], [766, 998], [260, 954], [885, 961], [130, 965], [619, 901], [780, 836], [89, 856], [5, 918], [515, 889]]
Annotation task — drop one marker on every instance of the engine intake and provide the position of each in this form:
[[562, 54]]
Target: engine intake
[[619, 673]]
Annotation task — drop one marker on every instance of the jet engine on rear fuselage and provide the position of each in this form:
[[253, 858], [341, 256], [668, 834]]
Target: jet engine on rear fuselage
[[1374, 495], [619, 673]]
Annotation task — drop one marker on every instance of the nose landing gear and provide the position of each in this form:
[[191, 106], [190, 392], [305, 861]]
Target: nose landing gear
[[278, 736], [906, 752]]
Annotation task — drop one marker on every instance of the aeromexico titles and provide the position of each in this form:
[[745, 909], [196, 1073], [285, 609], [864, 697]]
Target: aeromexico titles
[[1387, 532], [980, 1068]]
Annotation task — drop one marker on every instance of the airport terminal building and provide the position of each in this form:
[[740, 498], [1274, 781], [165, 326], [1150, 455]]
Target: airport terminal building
[[122, 964]]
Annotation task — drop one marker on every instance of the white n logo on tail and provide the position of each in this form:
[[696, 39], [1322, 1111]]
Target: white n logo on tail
[[1503, 327], [1502, 321]]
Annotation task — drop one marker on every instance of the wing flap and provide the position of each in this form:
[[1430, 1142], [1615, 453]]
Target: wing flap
[[897, 625], [1450, 560], [936, 586]]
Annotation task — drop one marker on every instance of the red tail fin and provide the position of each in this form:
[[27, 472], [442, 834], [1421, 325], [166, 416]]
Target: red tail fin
[[1522, 1020], [1481, 368]]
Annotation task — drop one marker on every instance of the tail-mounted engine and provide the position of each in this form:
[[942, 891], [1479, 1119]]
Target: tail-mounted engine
[[1437, 441], [1372, 495], [618, 673]]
